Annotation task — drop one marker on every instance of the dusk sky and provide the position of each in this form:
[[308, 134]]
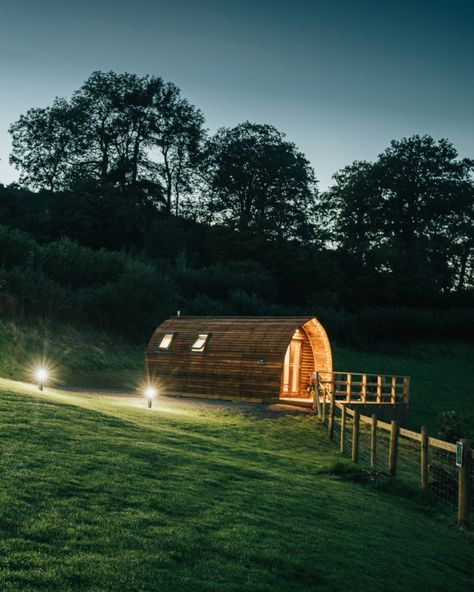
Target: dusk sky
[[339, 78]]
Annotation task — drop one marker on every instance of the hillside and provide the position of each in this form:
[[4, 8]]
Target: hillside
[[440, 373], [75, 357], [102, 494]]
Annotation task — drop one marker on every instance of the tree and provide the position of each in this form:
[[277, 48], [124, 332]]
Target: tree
[[45, 143], [122, 130], [408, 216], [259, 181], [177, 136]]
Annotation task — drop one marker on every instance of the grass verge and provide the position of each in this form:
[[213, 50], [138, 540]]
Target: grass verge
[[101, 494]]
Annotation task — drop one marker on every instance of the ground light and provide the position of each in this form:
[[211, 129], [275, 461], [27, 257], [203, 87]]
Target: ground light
[[150, 394], [41, 377]]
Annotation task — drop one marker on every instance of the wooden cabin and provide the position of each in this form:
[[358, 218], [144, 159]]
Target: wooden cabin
[[259, 359]]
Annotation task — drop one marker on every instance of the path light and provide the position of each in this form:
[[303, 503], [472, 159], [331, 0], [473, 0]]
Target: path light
[[41, 377], [150, 394]]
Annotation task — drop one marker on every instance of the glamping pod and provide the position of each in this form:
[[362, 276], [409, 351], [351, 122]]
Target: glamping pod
[[252, 358]]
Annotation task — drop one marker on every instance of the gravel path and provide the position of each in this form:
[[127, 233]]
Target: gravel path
[[258, 410]]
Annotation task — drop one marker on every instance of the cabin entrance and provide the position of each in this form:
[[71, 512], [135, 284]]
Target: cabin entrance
[[297, 367]]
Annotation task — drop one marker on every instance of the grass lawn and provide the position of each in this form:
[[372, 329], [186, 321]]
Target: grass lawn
[[442, 376], [102, 494]]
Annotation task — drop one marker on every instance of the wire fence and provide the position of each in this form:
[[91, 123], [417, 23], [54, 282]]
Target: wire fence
[[410, 457]]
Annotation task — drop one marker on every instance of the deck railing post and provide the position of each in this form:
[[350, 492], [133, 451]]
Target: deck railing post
[[355, 437], [393, 451], [343, 429], [331, 416], [364, 388], [463, 485], [316, 401], [393, 391], [348, 387], [424, 459], [379, 389], [323, 404], [406, 389], [373, 441]]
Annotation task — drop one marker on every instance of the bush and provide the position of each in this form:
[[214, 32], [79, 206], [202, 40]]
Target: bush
[[452, 426]]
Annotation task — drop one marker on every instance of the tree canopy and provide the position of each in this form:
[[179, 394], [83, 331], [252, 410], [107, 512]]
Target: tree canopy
[[117, 129], [259, 181], [126, 163], [408, 216]]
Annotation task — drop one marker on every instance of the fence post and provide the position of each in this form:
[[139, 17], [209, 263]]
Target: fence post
[[343, 429], [373, 442], [355, 437], [323, 404], [424, 458], [331, 417], [392, 456], [463, 485]]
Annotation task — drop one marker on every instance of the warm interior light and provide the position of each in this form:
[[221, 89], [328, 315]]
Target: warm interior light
[[150, 392], [200, 343], [166, 341], [41, 374]]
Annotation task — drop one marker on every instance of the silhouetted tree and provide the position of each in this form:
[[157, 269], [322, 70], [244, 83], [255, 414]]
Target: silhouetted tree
[[408, 216], [259, 181], [46, 142], [119, 129]]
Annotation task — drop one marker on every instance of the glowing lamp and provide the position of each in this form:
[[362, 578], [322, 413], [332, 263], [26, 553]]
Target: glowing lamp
[[150, 394], [41, 377]]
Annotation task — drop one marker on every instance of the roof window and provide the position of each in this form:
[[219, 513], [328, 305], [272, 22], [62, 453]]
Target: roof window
[[200, 344]]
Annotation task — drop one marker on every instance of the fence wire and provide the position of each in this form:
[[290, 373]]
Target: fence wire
[[442, 470], [409, 461], [443, 476]]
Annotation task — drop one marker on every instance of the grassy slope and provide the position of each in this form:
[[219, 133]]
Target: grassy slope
[[104, 495], [441, 376], [78, 358], [441, 373]]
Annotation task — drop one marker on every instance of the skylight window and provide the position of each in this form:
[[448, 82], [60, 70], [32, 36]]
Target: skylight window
[[166, 341], [200, 344]]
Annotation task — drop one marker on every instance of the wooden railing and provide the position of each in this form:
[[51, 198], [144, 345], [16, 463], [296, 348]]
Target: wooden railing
[[358, 388], [449, 475]]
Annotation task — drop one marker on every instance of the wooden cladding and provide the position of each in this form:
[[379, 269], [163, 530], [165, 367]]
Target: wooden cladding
[[243, 357]]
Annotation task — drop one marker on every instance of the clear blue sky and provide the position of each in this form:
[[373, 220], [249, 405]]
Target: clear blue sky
[[340, 78]]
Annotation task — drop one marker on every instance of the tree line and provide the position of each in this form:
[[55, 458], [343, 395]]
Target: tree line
[[126, 163]]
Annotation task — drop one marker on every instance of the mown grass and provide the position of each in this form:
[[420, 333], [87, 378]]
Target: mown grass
[[441, 376], [102, 494]]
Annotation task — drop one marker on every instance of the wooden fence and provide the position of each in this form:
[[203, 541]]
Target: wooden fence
[[357, 388], [443, 468]]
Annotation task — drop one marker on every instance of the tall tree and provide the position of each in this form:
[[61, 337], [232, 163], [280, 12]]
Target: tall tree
[[409, 215], [117, 129], [259, 181], [177, 138], [45, 143]]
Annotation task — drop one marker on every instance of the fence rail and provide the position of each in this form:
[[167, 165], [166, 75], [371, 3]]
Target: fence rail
[[412, 457], [355, 387]]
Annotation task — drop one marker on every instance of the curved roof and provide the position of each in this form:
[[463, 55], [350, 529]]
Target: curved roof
[[243, 357]]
